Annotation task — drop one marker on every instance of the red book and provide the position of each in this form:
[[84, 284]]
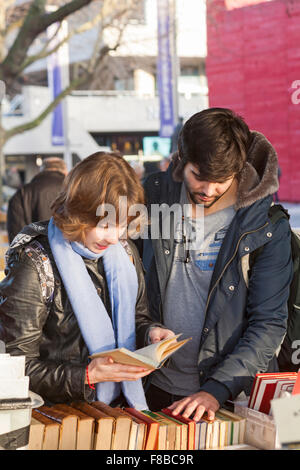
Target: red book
[[255, 399], [264, 388], [152, 428], [191, 426], [296, 388]]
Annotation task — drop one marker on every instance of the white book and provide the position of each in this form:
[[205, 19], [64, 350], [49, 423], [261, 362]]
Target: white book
[[14, 388], [197, 434], [12, 367]]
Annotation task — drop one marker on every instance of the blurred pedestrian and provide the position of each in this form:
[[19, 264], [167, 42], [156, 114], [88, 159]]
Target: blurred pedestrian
[[175, 135], [139, 169], [164, 164], [31, 203], [12, 178]]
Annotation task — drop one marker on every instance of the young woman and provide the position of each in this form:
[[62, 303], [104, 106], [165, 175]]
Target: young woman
[[74, 286]]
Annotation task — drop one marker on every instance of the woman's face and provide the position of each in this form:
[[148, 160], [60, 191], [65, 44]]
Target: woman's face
[[101, 237]]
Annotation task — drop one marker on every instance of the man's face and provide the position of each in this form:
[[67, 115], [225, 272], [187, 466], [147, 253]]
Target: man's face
[[203, 192]]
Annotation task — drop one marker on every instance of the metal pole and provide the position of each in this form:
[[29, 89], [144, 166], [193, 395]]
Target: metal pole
[[175, 61], [2, 158], [65, 83]]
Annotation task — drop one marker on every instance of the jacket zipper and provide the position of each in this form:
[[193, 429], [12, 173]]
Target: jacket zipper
[[227, 264]]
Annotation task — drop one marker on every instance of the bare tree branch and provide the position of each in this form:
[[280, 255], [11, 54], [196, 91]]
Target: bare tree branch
[[79, 81], [114, 15], [35, 22]]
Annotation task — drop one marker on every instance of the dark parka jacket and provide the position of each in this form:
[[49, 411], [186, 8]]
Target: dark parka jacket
[[32, 202], [47, 333], [244, 326]]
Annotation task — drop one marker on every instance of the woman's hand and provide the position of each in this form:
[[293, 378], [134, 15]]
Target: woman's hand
[[157, 334], [104, 369]]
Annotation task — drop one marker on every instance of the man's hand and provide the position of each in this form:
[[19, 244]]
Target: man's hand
[[198, 403], [157, 334]]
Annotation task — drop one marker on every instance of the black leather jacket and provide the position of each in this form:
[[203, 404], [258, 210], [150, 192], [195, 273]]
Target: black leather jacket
[[49, 337], [32, 202]]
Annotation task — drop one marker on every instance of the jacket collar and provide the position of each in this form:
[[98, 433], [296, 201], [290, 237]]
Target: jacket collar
[[28, 233]]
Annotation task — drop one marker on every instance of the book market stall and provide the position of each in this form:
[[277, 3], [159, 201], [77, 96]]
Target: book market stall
[[268, 419]]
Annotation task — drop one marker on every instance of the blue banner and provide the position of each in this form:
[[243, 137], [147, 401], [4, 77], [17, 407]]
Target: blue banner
[[57, 130], [164, 70], [55, 63]]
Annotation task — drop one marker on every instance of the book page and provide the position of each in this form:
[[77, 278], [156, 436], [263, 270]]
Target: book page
[[155, 351], [151, 355]]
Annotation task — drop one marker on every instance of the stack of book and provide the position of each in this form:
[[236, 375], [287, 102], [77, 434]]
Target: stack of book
[[97, 426], [268, 386]]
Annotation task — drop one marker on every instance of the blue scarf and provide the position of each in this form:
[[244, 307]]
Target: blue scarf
[[98, 331]]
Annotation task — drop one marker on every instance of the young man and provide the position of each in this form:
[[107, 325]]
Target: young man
[[201, 291]]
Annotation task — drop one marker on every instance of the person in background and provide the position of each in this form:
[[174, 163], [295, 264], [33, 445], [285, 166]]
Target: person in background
[[139, 169], [95, 299], [12, 178], [31, 203], [175, 135], [164, 164]]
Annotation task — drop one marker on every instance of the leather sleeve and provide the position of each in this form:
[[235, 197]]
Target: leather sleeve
[[15, 215], [23, 315]]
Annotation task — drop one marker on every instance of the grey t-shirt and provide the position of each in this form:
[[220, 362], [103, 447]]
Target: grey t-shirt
[[186, 296]]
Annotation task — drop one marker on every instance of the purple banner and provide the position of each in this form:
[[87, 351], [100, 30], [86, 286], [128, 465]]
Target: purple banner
[[164, 70], [55, 64], [57, 116]]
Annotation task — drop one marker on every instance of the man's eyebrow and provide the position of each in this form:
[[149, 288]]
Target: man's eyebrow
[[196, 174]]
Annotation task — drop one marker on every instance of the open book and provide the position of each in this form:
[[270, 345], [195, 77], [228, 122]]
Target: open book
[[150, 357]]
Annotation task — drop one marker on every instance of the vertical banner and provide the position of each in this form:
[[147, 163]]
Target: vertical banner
[[57, 66], [165, 70]]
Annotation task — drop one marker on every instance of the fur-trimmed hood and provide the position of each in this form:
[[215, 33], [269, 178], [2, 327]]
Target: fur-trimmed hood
[[259, 177]]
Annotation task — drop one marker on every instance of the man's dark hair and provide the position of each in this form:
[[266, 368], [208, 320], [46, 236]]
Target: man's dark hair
[[216, 141]]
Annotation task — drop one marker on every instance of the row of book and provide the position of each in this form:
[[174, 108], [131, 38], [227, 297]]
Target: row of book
[[97, 426], [268, 386]]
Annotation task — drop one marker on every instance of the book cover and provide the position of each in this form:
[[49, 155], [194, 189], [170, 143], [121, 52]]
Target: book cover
[[255, 386], [152, 428], [191, 424], [202, 434], [68, 426], [36, 435], [141, 430], [103, 427], [266, 389], [183, 427], [223, 432], [85, 427], [51, 431], [229, 434], [133, 436], [296, 388], [173, 431], [122, 427], [267, 377], [163, 431], [283, 386], [239, 426], [151, 357]]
